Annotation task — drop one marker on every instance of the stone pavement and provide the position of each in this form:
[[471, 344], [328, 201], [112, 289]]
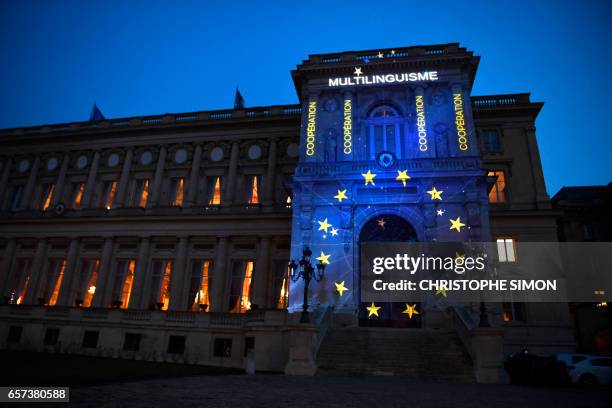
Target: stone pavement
[[328, 391]]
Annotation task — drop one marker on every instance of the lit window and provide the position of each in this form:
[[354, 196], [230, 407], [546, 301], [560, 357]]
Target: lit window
[[498, 192], [288, 201], [110, 189], [19, 282], [281, 284], [198, 290], [47, 196], [254, 196], [55, 275], [160, 284], [513, 311], [124, 279], [87, 281], [490, 141], [506, 250], [143, 192], [240, 291], [385, 128], [78, 190], [215, 191], [178, 189]]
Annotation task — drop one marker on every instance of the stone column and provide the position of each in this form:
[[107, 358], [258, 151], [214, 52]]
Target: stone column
[[159, 174], [231, 175], [194, 177], [37, 273], [261, 274], [136, 302], [6, 172], [65, 295], [61, 181], [271, 171], [218, 278], [124, 179], [29, 188], [91, 182], [178, 274], [103, 287], [7, 261]]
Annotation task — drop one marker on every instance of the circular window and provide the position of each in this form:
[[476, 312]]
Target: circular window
[[113, 160], [81, 162], [254, 152], [146, 158], [24, 165], [180, 156], [216, 154], [293, 150], [386, 159], [52, 164]]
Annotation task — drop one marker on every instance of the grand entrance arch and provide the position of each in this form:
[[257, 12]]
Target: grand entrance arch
[[387, 228]]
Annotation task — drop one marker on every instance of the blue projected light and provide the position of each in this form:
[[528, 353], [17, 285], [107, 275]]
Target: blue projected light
[[386, 160]]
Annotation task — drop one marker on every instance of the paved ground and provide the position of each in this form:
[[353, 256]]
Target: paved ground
[[237, 391]]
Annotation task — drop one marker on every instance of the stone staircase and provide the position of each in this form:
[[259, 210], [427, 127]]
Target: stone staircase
[[423, 354]]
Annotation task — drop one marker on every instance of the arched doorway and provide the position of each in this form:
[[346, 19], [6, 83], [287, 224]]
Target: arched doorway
[[387, 228]]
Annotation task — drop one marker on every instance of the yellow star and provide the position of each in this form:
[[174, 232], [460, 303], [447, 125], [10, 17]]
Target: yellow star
[[410, 310], [340, 287], [324, 225], [402, 176], [373, 310], [369, 177], [435, 194], [441, 292], [456, 224], [323, 258], [341, 195]]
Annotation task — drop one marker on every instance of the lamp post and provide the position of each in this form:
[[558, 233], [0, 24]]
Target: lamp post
[[306, 271]]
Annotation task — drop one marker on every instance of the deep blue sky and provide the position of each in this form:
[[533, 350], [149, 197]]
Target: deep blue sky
[[138, 58]]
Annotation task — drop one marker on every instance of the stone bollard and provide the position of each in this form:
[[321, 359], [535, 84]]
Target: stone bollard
[[301, 350]]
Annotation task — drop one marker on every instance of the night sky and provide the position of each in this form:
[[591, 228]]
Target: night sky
[[141, 58]]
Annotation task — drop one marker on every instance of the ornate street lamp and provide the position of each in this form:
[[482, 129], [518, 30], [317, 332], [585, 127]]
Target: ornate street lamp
[[306, 271]]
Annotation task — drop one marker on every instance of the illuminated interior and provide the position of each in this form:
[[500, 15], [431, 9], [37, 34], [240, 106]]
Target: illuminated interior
[[201, 297], [127, 285], [283, 299], [58, 284], [244, 303], [216, 197], [180, 189], [164, 291], [111, 195], [497, 194], [48, 196], [91, 284], [254, 198], [144, 195], [288, 201], [79, 195]]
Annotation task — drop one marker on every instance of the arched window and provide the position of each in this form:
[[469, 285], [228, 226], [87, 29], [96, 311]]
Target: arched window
[[385, 126]]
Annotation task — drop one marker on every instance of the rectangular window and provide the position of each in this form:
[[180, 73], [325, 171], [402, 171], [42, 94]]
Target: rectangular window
[[222, 347], [198, 289], [513, 311], [506, 250], [240, 289], [498, 192], [141, 193], [53, 281], [14, 334], [214, 191], [176, 344], [108, 195], [47, 196], [160, 284], [281, 284], [131, 342], [490, 141], [88, 278], [51, 336], [254, 182], [20, 280], [16, 196], [78, 189], [90, 338], [124, 279], [178, 190]]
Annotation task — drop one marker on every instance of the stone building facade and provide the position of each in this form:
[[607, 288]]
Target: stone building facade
[[168, 237]]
